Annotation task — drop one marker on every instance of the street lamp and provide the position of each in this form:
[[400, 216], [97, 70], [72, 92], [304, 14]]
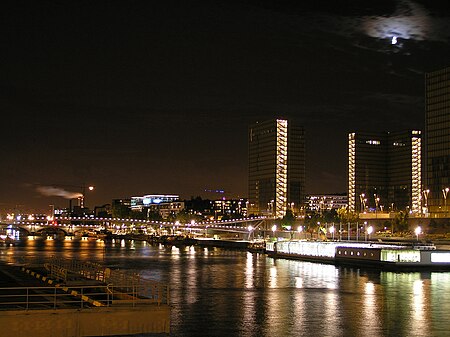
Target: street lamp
[[365, 230], [361, 199], [249, 228], [369, 231], [300, 229], [332, 232], [418, 231], [425, 195], [377, 201], [445, 192]]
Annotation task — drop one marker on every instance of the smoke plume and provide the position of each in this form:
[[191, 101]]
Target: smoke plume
[[51, 191]]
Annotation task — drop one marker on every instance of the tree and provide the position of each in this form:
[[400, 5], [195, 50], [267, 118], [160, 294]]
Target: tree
[[345, 216], [312, 221], [330, 216], [400, 222], [288, 220]]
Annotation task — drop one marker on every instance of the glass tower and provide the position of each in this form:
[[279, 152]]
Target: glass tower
[[384, 171], [437, 135], [276, 167]]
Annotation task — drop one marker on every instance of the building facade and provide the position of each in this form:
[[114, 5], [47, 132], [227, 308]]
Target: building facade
[[276, 167], [325, 202], [385, 172], [437, 141], [164, 204]]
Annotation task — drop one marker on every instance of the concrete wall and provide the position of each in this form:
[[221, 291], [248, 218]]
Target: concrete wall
[[87, 322]]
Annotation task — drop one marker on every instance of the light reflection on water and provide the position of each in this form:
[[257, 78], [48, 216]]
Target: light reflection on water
[[216, 292]]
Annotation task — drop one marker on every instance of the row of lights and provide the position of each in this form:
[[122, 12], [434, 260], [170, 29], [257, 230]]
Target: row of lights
[[10, 217], [332, 229], [426, 192]]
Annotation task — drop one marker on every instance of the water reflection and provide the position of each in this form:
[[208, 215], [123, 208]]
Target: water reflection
[[216, 292]]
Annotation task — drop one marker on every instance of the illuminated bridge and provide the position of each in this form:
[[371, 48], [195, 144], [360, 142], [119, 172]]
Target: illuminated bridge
[[81, 225]]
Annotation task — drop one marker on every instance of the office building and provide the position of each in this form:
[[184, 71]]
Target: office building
[[325, 202], [437, 141], [384, 172], [276, 167], [141, 203]]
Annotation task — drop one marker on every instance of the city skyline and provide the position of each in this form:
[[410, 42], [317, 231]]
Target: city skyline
[[139, 98]]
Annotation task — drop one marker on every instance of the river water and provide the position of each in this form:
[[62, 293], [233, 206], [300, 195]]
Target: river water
[[218, 292]]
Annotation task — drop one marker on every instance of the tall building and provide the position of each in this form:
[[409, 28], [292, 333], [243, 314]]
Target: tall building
[[384, 171], [437, 141], [276, 167]]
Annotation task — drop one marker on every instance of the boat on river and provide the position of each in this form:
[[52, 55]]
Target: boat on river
[[394, 256]]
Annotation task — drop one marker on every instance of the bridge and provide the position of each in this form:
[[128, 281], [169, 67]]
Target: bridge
[[81, 225]]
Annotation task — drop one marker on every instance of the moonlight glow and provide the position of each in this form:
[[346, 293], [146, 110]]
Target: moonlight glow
[[410, 22]]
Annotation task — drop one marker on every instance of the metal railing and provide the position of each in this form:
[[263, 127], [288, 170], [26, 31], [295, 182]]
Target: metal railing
[[29, 298], [61, 297], [114, 287]]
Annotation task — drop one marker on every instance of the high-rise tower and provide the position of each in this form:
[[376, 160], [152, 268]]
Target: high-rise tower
[[384, 171], [276, 167], [437, 141]]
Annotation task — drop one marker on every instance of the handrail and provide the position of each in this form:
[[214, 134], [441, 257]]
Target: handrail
[[80, 297], [128, 283]]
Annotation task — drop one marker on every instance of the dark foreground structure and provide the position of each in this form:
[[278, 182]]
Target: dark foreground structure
[[70, 298]]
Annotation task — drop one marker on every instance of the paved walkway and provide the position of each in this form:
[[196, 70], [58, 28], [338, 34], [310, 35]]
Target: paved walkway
[[13, 276]]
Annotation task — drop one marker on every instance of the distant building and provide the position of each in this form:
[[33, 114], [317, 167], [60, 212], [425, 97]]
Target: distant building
[[124, 202], [276, 167], [166, 209], [326, 202], [103, 211], [164, 204], [230, 208], [437, 141], [141, 203], [384, 171], [217, 209]]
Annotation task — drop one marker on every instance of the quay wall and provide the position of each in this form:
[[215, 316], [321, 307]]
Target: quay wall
[[111, 321]]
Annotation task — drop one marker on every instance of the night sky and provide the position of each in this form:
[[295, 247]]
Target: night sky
[[142, 97]]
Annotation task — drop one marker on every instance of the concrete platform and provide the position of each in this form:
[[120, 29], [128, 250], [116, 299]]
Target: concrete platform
[[31, 304]]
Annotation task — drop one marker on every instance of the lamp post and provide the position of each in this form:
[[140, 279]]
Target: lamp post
[[332, 232], [418, 231], [377, 201], [365, 230], [270, 207], [425, 196], [300, 230], [369, 231], [362, 200], [445, 192], [249, 228]]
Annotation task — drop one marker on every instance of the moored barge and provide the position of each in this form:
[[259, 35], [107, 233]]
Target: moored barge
[[364, 254]]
